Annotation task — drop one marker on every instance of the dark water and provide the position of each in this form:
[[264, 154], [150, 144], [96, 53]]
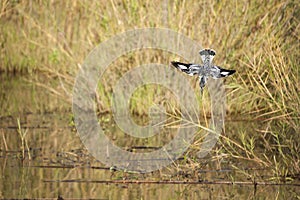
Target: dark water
[[53, 162]]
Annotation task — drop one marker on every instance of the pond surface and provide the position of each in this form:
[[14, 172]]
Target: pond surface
[[51, 161]]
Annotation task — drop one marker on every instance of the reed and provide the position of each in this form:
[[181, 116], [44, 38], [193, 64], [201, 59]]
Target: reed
[[260, 39], [24, 143]]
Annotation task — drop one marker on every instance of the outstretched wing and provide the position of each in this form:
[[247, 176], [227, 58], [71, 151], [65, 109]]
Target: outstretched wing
[[218, 72], [190, 69], [207, 56]]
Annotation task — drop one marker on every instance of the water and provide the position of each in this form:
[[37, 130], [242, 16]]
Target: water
[[53, 162]]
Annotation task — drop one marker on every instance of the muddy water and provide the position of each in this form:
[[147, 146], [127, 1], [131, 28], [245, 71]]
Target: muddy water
[[52, 162]]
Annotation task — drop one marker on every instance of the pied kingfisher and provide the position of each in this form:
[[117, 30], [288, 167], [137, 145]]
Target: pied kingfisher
[[208, 68]]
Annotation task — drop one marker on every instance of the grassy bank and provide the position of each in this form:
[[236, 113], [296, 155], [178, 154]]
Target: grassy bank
[[260, 39]]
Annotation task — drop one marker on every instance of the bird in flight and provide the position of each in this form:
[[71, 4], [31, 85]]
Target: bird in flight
[[208, 69]]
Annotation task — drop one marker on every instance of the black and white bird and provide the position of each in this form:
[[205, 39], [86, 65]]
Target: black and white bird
[[207, 70]]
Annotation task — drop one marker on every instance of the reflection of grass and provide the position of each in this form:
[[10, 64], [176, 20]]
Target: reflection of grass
[[260, 39]]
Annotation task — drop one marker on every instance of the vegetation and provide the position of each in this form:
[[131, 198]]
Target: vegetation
[[260, 39]]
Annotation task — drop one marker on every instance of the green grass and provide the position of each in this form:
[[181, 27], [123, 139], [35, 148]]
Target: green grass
[[260, 39]]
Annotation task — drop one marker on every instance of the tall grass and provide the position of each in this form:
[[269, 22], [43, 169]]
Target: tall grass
[[260, 39]]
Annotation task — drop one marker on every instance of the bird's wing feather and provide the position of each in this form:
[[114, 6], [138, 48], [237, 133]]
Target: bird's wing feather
[[218, 72], [190, 69]]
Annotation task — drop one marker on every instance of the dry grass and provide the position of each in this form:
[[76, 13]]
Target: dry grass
[[260, 39]]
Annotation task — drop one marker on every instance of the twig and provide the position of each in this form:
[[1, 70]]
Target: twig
[[175, 182]]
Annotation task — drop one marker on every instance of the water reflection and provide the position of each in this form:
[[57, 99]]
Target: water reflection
[[59, 165]]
